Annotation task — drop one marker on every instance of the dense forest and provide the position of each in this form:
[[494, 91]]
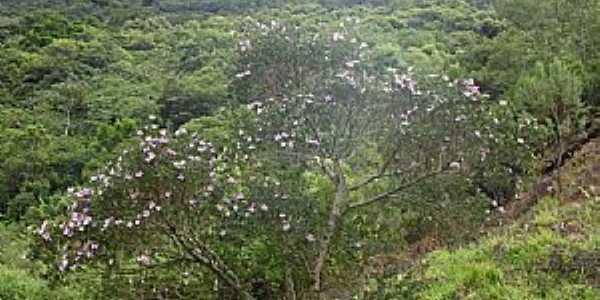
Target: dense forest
[[299, 149]]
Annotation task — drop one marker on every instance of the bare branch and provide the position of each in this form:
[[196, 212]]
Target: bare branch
[[386, 195], [381, 173], [371, 179], [200, 253]]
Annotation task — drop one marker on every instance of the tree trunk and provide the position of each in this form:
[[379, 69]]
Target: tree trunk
[[289, 284], [559, 154], [332, 224]]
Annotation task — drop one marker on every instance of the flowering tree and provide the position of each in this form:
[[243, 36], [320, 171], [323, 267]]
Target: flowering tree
[[318, 110], [171, 199], [320, 102]]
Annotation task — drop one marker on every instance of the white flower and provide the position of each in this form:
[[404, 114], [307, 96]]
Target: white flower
[[243, 74], [143, 260], [63, 265], [310, 237], [150, 156], [253, 106], [171, 152], [351, 64], [454, 165], [338, 37], [179, 164], [245, 45], [313, 142]]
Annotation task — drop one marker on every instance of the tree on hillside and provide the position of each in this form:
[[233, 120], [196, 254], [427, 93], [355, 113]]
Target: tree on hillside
[[322, 104], [233, 200]]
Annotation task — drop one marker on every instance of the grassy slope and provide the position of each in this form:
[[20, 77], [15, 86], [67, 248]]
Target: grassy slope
[[552, 252]]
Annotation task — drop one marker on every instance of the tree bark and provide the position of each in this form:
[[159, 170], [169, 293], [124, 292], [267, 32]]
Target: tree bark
[[335, 212]]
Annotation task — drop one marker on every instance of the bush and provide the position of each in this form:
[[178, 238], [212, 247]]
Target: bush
[[19, 285]]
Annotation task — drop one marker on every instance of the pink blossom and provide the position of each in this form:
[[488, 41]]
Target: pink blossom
[[143, 260]]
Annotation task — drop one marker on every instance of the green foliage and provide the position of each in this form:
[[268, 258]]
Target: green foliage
[[17, 284], [79, 77], [525, 261], [538, 31], [552, 94], [20, 278], [49, 164]]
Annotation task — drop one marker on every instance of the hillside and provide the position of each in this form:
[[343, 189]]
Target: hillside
[[550, 252]]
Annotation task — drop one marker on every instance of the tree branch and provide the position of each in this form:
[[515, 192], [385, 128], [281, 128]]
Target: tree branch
[[381, 173], [386, 195], [205, 256]]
